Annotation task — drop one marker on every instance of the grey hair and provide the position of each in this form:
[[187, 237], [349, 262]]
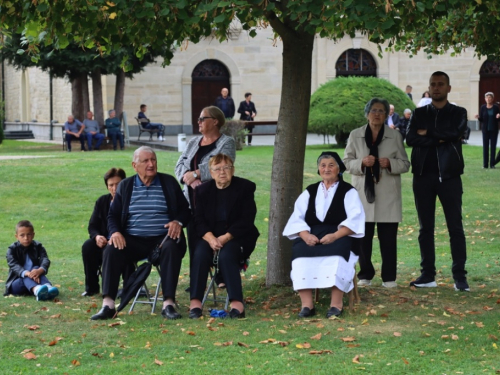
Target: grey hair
[[111, 110], [373, 101], [407, 110], [489, 93], [147, 149], [327, 157]]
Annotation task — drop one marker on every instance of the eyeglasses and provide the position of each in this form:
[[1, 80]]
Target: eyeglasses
[[201, 119], [377, 111], [226, 168]]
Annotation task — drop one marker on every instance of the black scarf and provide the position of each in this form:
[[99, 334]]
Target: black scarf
[[372, 175]]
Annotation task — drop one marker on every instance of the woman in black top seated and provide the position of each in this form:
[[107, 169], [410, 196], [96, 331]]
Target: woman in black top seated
[[98, 230], [224, 221]]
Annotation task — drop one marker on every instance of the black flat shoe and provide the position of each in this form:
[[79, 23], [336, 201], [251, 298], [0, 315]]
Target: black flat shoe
[[333, 311], [89, 294], [306, 312], [236, 314], [104, 314], [195, 313], [170, 313]]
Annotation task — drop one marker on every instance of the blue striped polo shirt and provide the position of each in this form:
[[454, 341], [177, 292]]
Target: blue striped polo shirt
[[148, 212]]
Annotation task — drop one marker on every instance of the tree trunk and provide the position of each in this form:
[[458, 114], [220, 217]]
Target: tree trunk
[[85, 96], [97, 94], [119, 93], [76, 98], [289, 149]]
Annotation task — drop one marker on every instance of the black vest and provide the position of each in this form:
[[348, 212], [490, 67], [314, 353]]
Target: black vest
[[336, 213]]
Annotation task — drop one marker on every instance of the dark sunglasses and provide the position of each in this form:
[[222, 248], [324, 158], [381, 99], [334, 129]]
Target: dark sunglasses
[[201, 119]]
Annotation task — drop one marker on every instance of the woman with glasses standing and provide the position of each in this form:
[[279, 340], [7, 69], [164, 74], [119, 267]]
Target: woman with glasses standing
[[192, 167], [224, 223], [375, 157]]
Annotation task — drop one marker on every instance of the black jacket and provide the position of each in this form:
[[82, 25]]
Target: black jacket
[[98, 223], [16, 257], [229, 113], [240, 216], [178, 206], [483, 117], [446, 127], [249, 107]]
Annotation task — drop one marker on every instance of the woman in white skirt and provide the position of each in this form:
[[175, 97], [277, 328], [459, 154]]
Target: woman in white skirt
[[326, 216]]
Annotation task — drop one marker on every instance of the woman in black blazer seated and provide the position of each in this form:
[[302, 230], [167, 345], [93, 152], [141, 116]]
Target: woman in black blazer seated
[[98, 231], [224, 218]]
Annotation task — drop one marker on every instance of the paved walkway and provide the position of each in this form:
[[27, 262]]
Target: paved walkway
[[170, 142]]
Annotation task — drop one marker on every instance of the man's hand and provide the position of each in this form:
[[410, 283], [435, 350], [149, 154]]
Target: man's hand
[[174, 230], [392, 126], [101, 241], [422, 131], [308, 238], [118, 241], [35, 274]]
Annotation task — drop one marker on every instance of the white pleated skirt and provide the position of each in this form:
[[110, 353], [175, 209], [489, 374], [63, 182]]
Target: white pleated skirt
[[324, 272]]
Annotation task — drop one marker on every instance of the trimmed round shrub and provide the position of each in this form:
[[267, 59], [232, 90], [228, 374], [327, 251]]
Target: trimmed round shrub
[[337, 107]]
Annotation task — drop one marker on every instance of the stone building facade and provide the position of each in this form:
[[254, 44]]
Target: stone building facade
[[198, 72]]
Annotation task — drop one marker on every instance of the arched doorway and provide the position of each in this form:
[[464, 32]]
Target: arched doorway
[[209, 78], [356, 62], [489, 80]]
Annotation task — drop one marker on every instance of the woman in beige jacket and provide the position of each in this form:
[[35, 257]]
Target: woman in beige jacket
[[375, 157]]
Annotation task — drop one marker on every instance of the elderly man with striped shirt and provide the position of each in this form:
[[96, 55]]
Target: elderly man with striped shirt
[[146, 207]]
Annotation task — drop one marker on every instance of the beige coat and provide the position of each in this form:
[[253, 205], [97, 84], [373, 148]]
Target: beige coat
[[387, 207]]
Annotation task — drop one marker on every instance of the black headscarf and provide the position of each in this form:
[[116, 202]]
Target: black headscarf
[[337, 159], [372, 174]]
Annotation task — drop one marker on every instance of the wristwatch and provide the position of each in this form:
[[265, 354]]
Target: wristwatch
[[195, 175]]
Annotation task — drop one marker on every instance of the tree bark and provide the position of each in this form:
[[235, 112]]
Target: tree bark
[[76, 98], [119, 93], [85, 97], [289, 148], [97, 95]]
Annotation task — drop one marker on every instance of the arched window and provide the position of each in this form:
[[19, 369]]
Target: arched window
[[356, 62], [489, 80]]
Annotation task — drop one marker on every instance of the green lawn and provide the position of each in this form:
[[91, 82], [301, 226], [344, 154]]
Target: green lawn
[[436, 331]]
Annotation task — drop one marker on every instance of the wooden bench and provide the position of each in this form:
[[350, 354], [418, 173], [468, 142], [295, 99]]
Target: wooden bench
[[142, 129], [256, 124], [105, 143]]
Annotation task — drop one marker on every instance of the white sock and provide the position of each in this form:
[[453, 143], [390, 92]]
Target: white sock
[[37, 288]]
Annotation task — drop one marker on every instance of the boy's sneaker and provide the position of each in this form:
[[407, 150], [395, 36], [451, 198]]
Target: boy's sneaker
[[53, 292], [42, 293], [424, 282], [462, 285], [364, 282]]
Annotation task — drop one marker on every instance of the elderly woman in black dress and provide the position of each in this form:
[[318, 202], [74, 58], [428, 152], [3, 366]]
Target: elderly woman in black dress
[[224, 221], [327, 215]]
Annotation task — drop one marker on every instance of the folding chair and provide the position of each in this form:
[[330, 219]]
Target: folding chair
[[213, 287], [149, 299]]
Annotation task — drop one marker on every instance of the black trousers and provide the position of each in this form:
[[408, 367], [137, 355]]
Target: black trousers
[[92, 261], [139, 248], [489, 147], [229, 266], [388, 239], [449, 192]]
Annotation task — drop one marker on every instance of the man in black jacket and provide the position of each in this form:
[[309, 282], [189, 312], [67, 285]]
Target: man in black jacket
[[146, 208], [225, 103], [436, 133]]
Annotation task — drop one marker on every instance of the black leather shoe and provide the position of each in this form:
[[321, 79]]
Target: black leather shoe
[[170, 313], [104, 314], [195, 313], [236, 314], [333, 311], [306, 312], [89, 294]]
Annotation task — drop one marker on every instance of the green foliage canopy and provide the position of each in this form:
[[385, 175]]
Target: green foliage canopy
[[338, 106]]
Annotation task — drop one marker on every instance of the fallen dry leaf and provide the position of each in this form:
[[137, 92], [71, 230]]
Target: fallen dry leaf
[[33, 327], [117, 323], [397, 334], [246, 333], [356, 359], [55, 316], [227, 343], [479, 325], [305, 345], [29, 356], [454, 337], [348, 339], [191, 333], [282, 331], [157, 362], [320, 352], [316, 337], [243, 344], [493, 337], [75, 363], [445, 337], [53, 342], [405, 361], [211, 320]]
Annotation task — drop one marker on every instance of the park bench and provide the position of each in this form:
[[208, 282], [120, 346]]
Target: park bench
[[142, 129]]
